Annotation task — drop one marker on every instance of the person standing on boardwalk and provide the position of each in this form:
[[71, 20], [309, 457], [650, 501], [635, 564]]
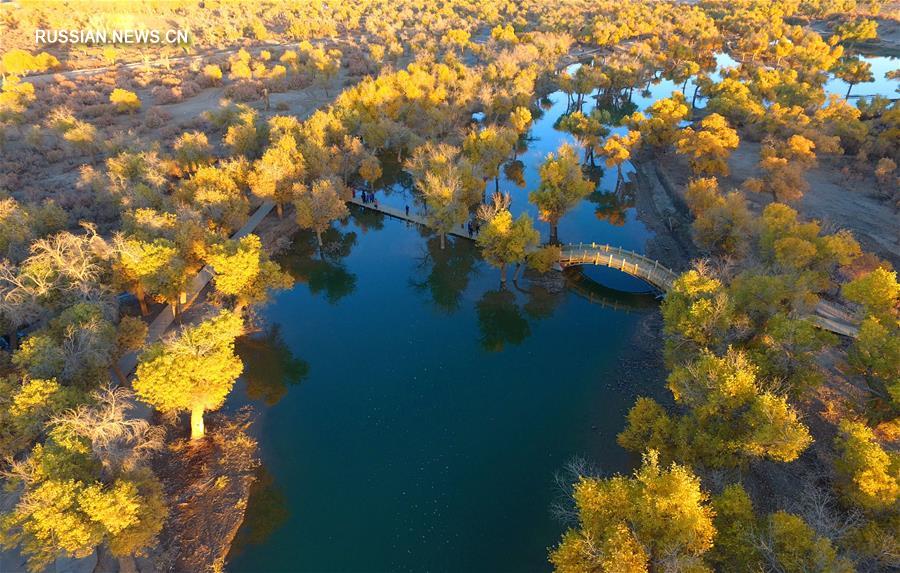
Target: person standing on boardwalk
[[407, 210]]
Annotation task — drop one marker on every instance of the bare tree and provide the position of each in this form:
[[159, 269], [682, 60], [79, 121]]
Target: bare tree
[[499, 202], [120, 442]]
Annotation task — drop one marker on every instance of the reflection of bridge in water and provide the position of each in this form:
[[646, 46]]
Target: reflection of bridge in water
[[594, 292], [827, 316]]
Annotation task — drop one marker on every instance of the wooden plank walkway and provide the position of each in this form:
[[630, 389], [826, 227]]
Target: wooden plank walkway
[[413, 217], [827, 315], [831, 317], [157, 329]]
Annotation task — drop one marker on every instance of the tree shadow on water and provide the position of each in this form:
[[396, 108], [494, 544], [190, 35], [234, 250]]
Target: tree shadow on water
[[611, 206], [501, 320], [270, 366], [267, 511], [542, 301], [322, 270], [444, 273]]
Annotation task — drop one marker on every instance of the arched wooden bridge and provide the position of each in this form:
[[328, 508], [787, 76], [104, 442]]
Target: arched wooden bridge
[[827, 316], [626, 261]]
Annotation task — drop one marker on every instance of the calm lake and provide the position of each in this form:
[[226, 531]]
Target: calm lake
[[413, 415]]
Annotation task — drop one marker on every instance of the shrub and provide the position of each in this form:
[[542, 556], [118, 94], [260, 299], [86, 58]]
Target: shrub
[[244, 91], [81, 136], [156, 117], [166, 95], [212, 75], [124, 100]]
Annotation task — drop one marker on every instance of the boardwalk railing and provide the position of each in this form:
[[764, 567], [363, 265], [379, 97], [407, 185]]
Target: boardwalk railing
[[826, 316], [412, 216], [629, 262]]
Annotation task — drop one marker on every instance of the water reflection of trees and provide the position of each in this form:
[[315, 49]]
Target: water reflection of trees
[[541, 301], [501, 320], [506, 315], [615, 108], [366, 219], [267, 511], [322, 269], [514, 171], [444, 273], [270, 366], [393, 174], [611, 205]]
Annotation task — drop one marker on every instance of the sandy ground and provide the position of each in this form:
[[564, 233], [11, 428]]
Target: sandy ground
[[837, 200], [888, 42], [300, 102]]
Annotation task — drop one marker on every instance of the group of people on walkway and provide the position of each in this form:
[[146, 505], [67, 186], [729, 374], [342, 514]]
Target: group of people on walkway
[[367, 197], [472, 226]]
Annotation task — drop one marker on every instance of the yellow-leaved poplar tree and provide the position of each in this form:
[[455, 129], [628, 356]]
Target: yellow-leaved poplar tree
[[709, 147], [193, 371], [632, 525]]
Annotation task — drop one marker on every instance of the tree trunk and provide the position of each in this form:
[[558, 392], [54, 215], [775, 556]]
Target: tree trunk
[[319, 237], [684, 87], [519, 267], [554, 233], [442, 240], [118, 372], [13, 338], [142, 300], [279, 210], [497, 181], [179, 304], [127, 564], [197, 429], [846, 97], [694, 99], [503, 273]]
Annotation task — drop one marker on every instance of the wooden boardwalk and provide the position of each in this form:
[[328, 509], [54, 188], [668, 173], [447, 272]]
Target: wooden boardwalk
[[164, 319], [831, 317], [827, 315], [413, 217]]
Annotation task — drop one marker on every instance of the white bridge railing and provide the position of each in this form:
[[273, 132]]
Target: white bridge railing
[[626, 261]]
